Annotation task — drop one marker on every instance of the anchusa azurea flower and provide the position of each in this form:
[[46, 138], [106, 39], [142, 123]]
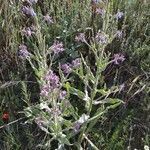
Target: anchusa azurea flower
[[119, 15], [23, 52], [101, 38], [76, 126], [118, 58], [66, 68], [57, 47], [119, 34], [48, 19], [62, 94], [41, 122], [76, 63], [27, 31], [80, 37], [100, 11], [55, 111], [45, 90], [32, 1], [52, 79], [96, 1], [79, 122], [51, 83], [28, 10]]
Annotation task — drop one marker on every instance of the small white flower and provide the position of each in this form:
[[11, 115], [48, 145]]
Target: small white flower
[[146, 147], [83, 118]]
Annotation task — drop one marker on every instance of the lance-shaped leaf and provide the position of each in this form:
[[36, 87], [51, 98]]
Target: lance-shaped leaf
[[63, 139], [88, 71], [76, 92], [108, 101]]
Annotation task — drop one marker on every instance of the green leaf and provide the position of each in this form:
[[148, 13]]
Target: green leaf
[[114, 105], [114, 100], [88, 71], [44, 129], [74, 91], [63, 139], [67, 123], [28, 112], [108, 101], [102, 91]]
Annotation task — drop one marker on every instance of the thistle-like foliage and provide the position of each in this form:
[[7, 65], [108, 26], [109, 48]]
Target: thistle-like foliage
[[73, 74]]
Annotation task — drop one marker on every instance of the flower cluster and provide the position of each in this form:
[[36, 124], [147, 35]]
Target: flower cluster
[[67, 67], [100, 11], [119, 15], [101, 38], [27, 31], [55, 111], [32, 1], [52, 82], [52, 79], [29, 11], [23, 52], [76, 63], [48, 19], [62, 94], [57, 47], [80, 37], [118, 58], [119, 34], [96, 1]]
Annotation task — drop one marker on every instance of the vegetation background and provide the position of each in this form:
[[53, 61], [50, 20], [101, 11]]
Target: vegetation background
[[125, 126]]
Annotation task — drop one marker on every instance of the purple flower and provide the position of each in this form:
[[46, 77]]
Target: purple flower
[[39, 121], [52, 82], [48, 75], [66, 68], [52, 79], [101, 38], [28, 11], [32, 1], [119, 34], [96, 1], [76, 126], [57, 47], [76, 63], [45, 90], [121, 87], [55, 111], [33, 28], [62, 95], [27, 31], [79, 122], [119, 15], [118, 58], [80, 37], [23, 52], [48, 19], [100, 11]]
